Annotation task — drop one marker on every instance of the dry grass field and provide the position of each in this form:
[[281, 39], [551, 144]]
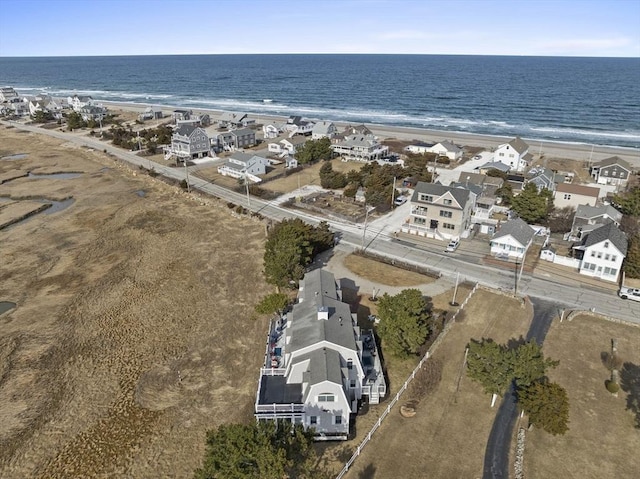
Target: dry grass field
[[601, 441], [132, 333], [308, 176], [448, 435]]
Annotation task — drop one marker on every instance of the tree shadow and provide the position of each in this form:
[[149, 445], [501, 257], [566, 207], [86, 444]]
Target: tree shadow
[[515, 343], [368, 472], [630, 383]]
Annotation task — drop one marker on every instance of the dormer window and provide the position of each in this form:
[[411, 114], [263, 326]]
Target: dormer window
[[606, 244]]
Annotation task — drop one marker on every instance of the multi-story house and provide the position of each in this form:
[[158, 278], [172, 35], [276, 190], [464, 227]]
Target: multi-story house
[[188, 142], [359, 147], [45, 104], [246, 166], [611, 171], [602, 252], [323, 129], [229, 119], [234, 140], [318, 363], [77, 102], [297, 126], [589, 218], [287, 146], [92, 112], [270, 131], [543, 178], [571, 195], [8, 94], [439, 211], [514, 154]]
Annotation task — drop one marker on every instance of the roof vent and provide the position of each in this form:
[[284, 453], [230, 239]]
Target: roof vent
[[323, 312]]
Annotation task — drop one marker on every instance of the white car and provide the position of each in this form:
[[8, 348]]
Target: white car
[[452, 246], [400, 200], [629, 293]]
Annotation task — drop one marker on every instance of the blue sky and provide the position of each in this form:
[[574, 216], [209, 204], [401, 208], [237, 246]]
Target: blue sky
[[608, 28]]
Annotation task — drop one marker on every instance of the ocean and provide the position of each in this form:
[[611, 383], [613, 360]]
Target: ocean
[[582, 100]]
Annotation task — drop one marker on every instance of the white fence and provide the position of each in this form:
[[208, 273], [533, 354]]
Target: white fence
[[386, 412]]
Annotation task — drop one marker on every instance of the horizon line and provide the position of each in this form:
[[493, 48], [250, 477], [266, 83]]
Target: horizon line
[[316, 53]]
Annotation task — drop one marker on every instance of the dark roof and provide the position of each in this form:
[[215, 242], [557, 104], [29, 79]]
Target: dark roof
[[607, 232], [185, 129], [614, 160], [519, 145], [461, 195], [495, 165], [275, 390], [518, 229], [578, 189]]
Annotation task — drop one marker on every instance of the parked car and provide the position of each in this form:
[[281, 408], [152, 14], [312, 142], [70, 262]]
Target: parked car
[[477, 157], [452, 246], [400, 200], [629, 293]]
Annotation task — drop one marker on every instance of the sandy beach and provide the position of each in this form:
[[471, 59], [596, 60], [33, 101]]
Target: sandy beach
[[557, 150]]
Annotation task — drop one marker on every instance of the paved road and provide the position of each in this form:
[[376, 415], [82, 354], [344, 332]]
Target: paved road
[[496, 458], [379, 238]]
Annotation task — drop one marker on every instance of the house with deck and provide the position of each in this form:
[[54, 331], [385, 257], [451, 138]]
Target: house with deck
[[234, 140], [270, 131], [512, 240], [318, 363], [245, 165], [323, 129], [151, 113], [287, 146], [188, 142], [612, 171], [360, 148], [543, 178], [441, 212], [514, 154], [296, 125], [77, 102], [446, 149], [45, 104], [230, 119], [93, 112], [588, 218], [8, 95]]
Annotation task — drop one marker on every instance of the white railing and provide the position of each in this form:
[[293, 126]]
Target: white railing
[[273, 371], [387, 410]]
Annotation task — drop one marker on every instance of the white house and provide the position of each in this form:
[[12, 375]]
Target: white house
[[297, 126], [419, 147], [318, 363], [514, 154], [270, 131], [8, 94], [45, 104], [323, 129], [77, 102], [446, 148], [512, 239], [360, 148], [602, 252], [568, 194], [286, 146], [245, 165]]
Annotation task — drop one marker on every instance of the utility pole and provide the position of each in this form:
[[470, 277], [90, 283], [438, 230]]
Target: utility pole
[[246, 184], [393, 191], [186, 171], [364, 230], [455, 290]]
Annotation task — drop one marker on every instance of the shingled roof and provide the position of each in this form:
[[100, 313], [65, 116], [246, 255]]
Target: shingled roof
[[608, 232], [518, 229], [461, 195]]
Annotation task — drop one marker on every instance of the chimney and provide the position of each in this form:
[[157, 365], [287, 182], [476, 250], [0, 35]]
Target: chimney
[[323, 312]]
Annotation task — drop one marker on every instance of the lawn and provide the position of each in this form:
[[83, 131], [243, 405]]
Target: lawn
[[601, 441], [448, 435], [308, 176], [383, 273]]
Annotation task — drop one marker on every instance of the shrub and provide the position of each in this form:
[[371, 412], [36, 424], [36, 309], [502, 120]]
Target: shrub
[[612, 386]]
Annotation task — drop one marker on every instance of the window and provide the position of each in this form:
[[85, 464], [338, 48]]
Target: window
[[500, 154], [593, 254], [352, 383], [599, 255], [511, 155], [613, 257], [350, 364], [313, 420], [606, 244], [427, 198], [338, 420], [326, 397], [420, 221], [446, 214], [448, 226], [447, 201], [606, 257]]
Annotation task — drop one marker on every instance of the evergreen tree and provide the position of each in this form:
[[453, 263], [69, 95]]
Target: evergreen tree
[[491, 365], [529, 364], [272, 303], [532, 206], [547, 405], [405, 322]]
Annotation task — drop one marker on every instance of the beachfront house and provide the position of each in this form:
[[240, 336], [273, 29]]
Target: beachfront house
[[446, 149], [570, 195], [8, 95], [323, 129], [318, 363], [611, 171], [512, 240], [493, 165], [419, 147], [92, 112], [47, 105], [229, 119], [515, 154], [286, 147], [588, 218], [19, 108], [602, 252], [151, 113], [234, 140], [270, 131], [359, 147], [188, 142], [77, 102], [245, 165], [440, 212], [297, 126]]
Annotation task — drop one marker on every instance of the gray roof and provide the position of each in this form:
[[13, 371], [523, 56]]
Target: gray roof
[[496, 165], [461, 195], [607, 232], [275, 390], [235, 166], [243, 132], [230, 116], [449, 146], [614, 160], [588, 211], [322, 127], [185, 129], [324, 365], [243, 157], [518, 229], [319, 290], [519, 145], [474, 188]]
